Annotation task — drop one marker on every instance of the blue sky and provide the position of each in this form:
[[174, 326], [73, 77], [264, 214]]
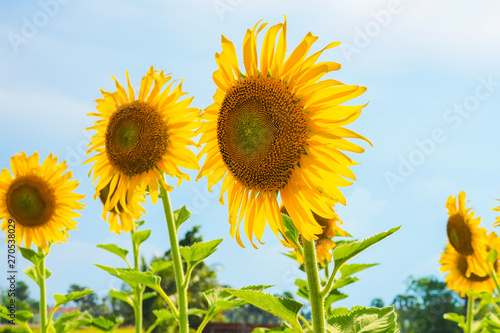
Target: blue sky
[[433, 82]]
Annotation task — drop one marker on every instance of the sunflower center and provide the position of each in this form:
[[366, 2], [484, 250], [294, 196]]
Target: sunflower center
[[30, 201], [459, 235], [136, 138], [462, 267], [261, 132]]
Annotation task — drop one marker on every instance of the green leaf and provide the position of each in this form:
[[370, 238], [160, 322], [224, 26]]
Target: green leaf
[[122, 296], [138, 224], [33, 273], [220, 300], [333, 296], [181, 215], [350, 269], [63, 299], [160, 265], [283, 307], [122, 253], [492, 257], [344, 281], [454, 317], [133, 278], [106, 324], [198, 252], [20, 317], [71, 321], [291, 232], [346, 251], [303, 288], [139, 237], [31, 255], [367, 320]]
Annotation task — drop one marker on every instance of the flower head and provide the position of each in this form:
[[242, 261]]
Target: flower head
[[277, 130], [138, 139], [40, 199]]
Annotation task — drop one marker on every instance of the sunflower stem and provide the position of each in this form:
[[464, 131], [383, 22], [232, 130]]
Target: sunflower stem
[[317, 310], [470, 313], [494, 276], [43, 299], [176, 257], [138, 289]]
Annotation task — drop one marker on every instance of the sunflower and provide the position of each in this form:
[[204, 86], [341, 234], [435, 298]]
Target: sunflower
[[277, 130], [497, 223], [324, 243], [119, 219], [465, 235], [457, 266], [140, 139], [40, 199]]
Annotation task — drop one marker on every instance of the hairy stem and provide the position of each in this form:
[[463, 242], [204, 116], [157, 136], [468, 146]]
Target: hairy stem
[[317, 310]]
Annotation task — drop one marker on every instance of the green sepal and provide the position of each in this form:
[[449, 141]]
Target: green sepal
[[291, 232]]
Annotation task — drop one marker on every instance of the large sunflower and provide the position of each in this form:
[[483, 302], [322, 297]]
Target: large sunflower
[[277, 130], [324, 243], [140, 138], [40, 199], [465, 235], [457, 266]]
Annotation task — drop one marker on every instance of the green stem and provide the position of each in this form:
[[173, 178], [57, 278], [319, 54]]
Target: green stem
[[306, 323], [176, 257], [317, 310], [494, 276], [470, 313], [169, 302], [43, 300], [329, 284], [138, 290], [203, 324], [327, 270]]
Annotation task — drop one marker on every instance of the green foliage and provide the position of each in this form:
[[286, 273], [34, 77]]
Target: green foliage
[[32, 272], [21, 318], [363, 320], [221, 300], [138, 237], [124, 296], [122, 253], [198, 252], [285, 308], [347, 250], [291, 232], [63, 299], [181, 215], [422, 307]]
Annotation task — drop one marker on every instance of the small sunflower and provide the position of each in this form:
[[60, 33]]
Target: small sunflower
[[465, 235], [119, 219], [324, 243], [40, 199], [457, 267], [277, 129], [140, 139]]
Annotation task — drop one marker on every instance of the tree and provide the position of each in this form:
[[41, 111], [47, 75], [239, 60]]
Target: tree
[[422, 308]]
